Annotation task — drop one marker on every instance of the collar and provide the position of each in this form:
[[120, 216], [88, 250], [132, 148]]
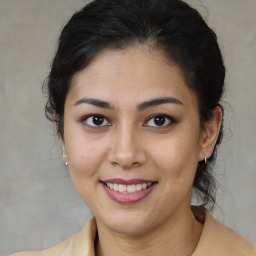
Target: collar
[[215, 239]]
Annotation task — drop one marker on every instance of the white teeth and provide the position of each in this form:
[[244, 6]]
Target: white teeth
[[128, 188], [139, 187], [116, 187], [122, 188], [110, 185], [131, 188]]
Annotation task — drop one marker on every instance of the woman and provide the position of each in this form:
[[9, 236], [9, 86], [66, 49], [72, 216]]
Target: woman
[[134, 91]]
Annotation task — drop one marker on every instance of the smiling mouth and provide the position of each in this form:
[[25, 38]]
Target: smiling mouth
[[126, 189]]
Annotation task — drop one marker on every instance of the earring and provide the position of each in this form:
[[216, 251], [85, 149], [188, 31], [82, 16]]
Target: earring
[[205, 160], [66, 163]]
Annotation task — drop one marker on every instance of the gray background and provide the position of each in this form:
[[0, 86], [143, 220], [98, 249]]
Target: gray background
[[38, 205]]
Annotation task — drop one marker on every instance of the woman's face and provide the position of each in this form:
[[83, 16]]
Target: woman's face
[[132, 139]]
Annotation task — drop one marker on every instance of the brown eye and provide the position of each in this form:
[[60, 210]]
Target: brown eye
[[96, 121], [159, 121]]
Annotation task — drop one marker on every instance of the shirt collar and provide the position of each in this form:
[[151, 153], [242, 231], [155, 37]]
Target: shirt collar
[[215, 238]]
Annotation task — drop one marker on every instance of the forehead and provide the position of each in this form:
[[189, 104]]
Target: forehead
[[134, 74]]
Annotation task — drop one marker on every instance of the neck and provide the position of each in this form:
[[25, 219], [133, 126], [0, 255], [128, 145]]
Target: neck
[[178, 235]]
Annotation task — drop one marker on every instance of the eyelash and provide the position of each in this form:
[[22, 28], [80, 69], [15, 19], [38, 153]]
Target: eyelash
[[168, 118], [86, 118]]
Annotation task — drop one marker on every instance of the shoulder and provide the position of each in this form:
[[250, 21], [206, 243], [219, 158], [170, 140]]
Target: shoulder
[[216, 239], [74, 245]]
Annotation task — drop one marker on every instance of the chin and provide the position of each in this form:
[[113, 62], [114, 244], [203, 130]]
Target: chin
[[129, 224]]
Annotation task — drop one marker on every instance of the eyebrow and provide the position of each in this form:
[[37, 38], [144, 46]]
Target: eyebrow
[[158, 101], [94, 102], [141, 107]]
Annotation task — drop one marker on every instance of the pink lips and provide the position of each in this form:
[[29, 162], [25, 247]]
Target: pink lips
[[127, 198]]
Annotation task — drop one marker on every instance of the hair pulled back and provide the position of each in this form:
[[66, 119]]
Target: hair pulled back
[[169, 25]]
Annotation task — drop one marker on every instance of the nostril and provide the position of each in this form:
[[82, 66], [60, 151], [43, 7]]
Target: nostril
[[135, 164], [126, 166]]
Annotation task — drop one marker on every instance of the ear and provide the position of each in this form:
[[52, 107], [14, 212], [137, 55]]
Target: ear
[[210, 134], [64, 156], [62, 142]]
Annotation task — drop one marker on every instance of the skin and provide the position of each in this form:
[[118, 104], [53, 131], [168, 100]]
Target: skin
[[129, 145]]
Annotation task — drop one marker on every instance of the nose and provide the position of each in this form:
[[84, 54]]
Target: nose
[[127, 151]]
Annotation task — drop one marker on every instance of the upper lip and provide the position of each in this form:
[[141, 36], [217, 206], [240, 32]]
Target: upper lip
[[127, 182]]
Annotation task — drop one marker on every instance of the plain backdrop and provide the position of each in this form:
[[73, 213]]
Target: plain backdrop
[[38, 204]]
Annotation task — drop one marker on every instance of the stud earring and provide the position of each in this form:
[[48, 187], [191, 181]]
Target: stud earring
[[205, 160], [66, 163]]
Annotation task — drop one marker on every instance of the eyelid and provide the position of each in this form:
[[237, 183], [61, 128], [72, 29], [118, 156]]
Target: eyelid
[[85, 118], [170, 118]]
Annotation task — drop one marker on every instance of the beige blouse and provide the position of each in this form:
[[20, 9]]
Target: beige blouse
[[215, 240]]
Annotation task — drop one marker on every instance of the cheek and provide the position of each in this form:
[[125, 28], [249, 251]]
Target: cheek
[[177, 157], [84, 165], [84, 156]]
